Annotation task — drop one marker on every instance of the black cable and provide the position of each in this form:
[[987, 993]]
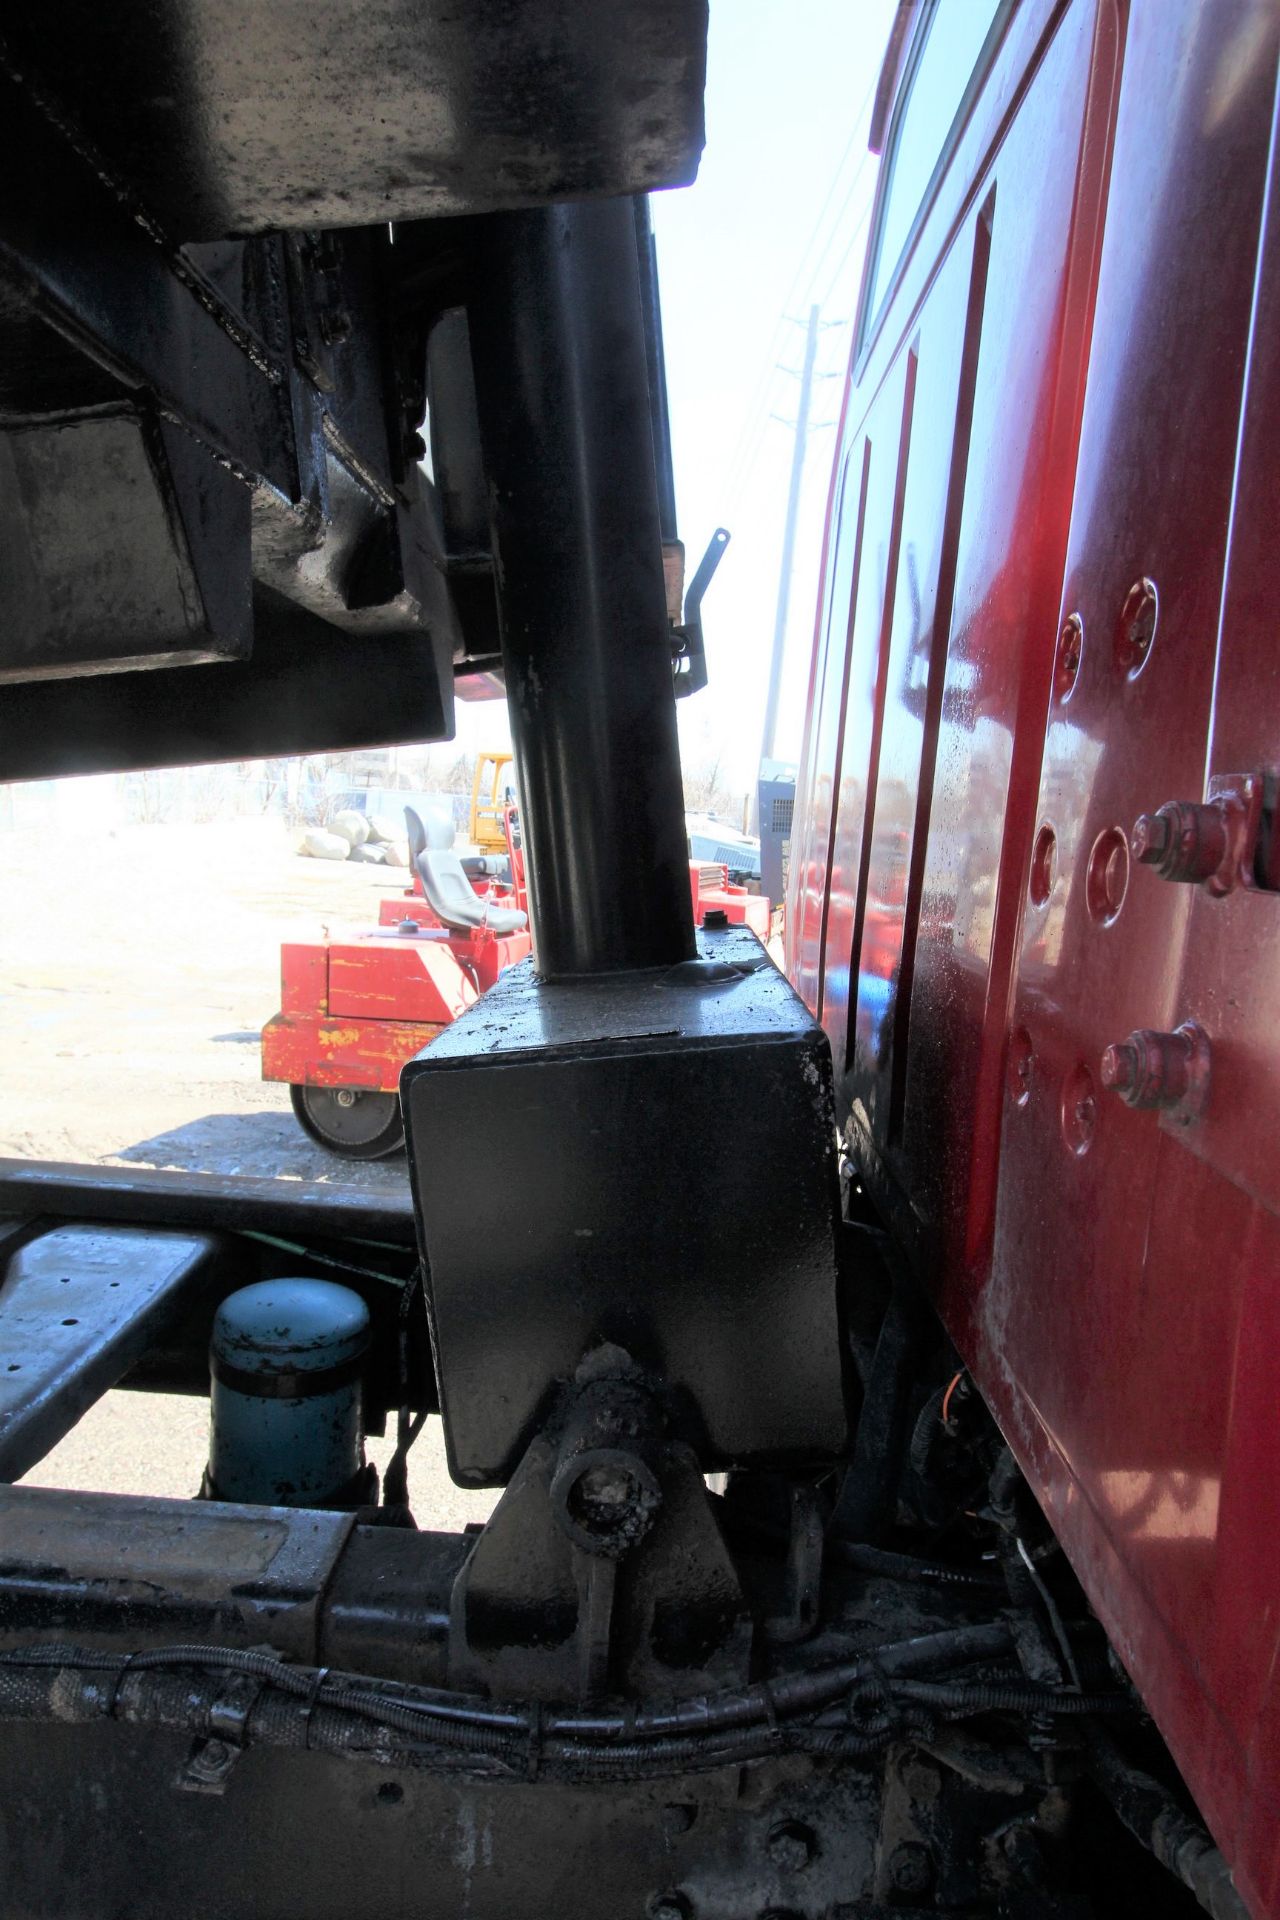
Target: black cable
[[395, 1480], [892, 1565], [790, 1695], [1009, 1697], [358, 1695], [884, 1562], [734, 1724], [321, 1259], [1051, 1608], [1154, 1817]]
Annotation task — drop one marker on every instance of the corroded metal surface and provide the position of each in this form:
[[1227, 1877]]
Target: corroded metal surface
[[230, 117]]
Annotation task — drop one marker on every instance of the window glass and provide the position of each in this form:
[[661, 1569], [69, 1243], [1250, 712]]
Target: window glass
[[954, 38]]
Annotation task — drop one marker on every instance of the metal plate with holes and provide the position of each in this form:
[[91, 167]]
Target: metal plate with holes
[[78, 1305], [307, 1833]]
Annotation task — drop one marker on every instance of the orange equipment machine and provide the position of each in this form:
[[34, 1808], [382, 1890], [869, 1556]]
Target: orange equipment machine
[[355, 1008]]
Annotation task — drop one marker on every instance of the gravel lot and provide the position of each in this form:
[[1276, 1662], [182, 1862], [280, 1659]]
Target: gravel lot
[[136, 969]]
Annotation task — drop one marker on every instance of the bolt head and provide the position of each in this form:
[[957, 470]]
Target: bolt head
[[921, 1778], [791, 1846], [1150, 839], [1185, 840], [678, 1816], [669, 1906], [1167, 1070], [911, 1868], [1119, 1067]]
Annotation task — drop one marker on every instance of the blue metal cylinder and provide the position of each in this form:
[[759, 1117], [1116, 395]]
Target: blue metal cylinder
[[286, 1425]]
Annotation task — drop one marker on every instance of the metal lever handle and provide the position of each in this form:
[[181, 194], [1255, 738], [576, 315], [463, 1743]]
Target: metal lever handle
[[690, 664]]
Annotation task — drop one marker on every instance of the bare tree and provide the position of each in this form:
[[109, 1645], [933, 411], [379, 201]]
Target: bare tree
[[707, 791]]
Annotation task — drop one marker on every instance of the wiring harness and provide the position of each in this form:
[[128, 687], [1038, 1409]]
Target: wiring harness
[[852, 1709]]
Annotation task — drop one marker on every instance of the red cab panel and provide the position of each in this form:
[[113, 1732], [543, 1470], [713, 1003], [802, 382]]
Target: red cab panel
[[1048, 608]]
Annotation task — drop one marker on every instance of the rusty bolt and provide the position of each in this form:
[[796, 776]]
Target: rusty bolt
[[669, 1906], [335, 326], [1183, 841], [678, 1816], [1022, 1850], [1165, 1070], [911, 1868], [791, 1846]]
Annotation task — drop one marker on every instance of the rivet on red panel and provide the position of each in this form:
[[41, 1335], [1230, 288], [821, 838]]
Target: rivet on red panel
[[1070, 653], [1021, 1066], [1107, 878], [1044, 861], [1079, 1115], [1136, 632]]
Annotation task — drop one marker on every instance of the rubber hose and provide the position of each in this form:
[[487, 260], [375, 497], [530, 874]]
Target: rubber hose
[[1154, 1817], [995, 1697]]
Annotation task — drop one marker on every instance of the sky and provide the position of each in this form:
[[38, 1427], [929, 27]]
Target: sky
[[776, 221]]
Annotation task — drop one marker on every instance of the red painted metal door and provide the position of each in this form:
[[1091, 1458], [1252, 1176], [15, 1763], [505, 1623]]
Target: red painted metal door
[[1062, 571], [1134, 1266]]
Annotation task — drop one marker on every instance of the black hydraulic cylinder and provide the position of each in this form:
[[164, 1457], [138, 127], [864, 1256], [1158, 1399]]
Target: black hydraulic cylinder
[[562, 386]]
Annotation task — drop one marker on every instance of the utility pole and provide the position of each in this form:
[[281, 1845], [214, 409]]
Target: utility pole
[[789, 538]]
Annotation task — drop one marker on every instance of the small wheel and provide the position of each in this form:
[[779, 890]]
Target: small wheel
[[358, 1125]]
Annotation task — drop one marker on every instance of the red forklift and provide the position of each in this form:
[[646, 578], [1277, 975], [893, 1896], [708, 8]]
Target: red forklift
[[355, 1008]]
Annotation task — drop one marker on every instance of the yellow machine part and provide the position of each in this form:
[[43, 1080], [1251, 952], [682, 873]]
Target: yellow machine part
[[492, 790]]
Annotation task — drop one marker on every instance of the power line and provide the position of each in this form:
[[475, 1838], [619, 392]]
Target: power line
[[853, 241], [787, 564], [757, 425], [746, 444], [866, 161]]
